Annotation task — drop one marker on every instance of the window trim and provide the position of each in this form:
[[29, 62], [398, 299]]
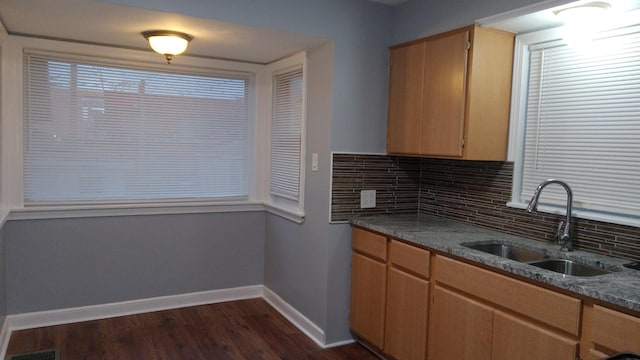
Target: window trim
[[37, 67], [281, 206], [517, 131], [12, 132]]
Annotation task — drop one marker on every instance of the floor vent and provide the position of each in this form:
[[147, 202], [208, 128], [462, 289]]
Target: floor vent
[[52, 354]]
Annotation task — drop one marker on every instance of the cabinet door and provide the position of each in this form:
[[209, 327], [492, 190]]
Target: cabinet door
[[460, 328], [406, 319], [595, 355], [515, 338], [444, 95], [368, 290], [405, 99], [614, 331]]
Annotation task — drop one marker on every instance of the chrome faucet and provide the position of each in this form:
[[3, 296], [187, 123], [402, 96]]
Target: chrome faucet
[[563, 237]]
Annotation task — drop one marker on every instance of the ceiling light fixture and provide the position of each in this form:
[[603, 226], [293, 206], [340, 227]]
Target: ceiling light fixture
[[582, 22], [583, 13], [168, 43]]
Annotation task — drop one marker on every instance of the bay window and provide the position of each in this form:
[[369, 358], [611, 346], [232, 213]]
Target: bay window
[[103, 131]]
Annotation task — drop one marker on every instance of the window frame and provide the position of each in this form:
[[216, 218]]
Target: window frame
[[280, 205], [12, 131], [516, 148], [38, 69]]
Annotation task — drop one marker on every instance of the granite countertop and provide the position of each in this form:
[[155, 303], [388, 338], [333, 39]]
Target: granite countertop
[[620, 287]]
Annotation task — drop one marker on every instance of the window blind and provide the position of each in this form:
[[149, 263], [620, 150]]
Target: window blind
[[583, 122], [94, 132], [286, 134]]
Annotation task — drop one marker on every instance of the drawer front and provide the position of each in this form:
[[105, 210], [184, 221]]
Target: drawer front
[[615, 330], [369, 243], [514, 338], [557, 310], [410, 257]]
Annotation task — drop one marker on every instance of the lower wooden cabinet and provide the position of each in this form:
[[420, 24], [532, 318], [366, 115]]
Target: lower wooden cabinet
[[409, 268], [466, 312], [368, 286], [368, 291], [479, 314], [390, 299], [463, 328], [460, 328], [611, 332]]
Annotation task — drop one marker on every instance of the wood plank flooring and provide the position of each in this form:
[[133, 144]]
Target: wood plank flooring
[[246, 329]]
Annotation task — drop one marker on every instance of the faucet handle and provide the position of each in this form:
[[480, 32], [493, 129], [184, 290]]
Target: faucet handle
[[560, 227]]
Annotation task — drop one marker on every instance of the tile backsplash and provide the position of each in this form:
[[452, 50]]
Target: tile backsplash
[[395, 179], [471, 191]]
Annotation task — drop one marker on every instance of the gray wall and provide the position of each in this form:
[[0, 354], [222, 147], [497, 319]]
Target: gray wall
[[296, 255], [64, 263]]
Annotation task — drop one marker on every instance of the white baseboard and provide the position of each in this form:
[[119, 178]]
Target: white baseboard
[[339, 343], [104, 311], [295, 317]]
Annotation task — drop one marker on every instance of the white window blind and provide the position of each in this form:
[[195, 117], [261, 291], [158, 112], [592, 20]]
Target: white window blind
[[95, 132], [583, 123], [286, 133]]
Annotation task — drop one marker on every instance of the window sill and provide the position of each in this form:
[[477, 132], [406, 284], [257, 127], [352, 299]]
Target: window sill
[[294, 215], [80, 211], [620, 219]]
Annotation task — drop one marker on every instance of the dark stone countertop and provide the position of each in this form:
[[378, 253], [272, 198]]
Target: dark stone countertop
[[620, 287]]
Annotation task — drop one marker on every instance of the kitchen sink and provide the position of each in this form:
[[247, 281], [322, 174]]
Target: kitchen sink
[[568, 267], [509, 252], [538, 259]]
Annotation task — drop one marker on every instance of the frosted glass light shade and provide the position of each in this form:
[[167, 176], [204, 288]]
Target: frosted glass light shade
[[167, 43], [585, 13]]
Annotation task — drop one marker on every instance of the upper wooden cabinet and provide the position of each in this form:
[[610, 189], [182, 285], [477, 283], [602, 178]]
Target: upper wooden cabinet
[[405, 91], [449, 95]]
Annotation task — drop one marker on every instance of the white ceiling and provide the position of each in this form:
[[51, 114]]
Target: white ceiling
[[119, 25]]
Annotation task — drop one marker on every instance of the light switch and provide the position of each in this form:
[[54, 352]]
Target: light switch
[[314, 162]]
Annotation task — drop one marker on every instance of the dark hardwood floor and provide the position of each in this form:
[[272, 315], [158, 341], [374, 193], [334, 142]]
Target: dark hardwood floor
[[247, 329]]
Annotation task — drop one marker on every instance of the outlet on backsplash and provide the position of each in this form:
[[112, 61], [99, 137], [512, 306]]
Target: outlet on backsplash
[[367, 199]]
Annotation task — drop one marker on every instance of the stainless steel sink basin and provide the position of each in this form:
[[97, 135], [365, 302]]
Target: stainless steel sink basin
[[509, 252], [568, 267]]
